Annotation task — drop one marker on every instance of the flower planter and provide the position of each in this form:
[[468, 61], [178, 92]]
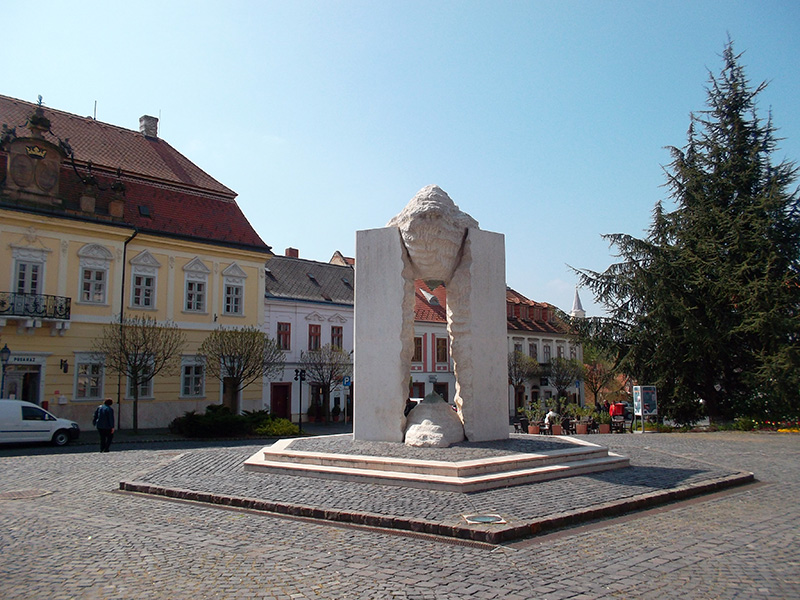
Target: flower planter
[[533, 429], [556, 429], [581, 428], [604, 428]]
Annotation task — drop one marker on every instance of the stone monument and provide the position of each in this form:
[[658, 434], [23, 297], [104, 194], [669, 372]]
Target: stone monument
[[432, 240]]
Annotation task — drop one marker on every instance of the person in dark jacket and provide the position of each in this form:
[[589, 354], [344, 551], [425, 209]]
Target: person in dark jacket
[[104, 421]]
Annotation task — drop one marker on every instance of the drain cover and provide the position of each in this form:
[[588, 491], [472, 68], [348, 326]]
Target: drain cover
[[23, 494], [484, 519]]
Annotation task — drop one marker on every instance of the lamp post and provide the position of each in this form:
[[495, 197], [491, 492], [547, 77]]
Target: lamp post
[[300, 375], [5, 354]]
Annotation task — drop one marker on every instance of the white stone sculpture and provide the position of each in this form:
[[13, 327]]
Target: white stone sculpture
[[433, 424], [432, 240]]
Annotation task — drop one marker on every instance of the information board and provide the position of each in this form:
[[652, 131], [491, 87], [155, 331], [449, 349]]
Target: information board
[[645, 402]]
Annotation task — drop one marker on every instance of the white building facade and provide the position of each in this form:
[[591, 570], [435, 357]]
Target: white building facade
[[309, 304]]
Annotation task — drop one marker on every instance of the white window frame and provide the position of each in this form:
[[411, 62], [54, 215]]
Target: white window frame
[[233, 279], [94, 362], [195, 287], [94, 259], [33, 257], [144, 266], [188, 379]]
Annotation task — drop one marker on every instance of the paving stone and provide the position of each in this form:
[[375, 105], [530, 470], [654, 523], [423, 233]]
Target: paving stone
[[84, 540]]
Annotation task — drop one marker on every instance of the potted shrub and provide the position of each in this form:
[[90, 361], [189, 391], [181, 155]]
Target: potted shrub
[[314, 413], [582, 414], [534, 416], [335, 412], [604, 422]]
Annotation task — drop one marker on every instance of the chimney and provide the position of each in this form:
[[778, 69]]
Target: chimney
[[292, 253], [148, 126]]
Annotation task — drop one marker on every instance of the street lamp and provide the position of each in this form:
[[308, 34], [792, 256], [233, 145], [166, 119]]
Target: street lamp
[[5, 354], [300, 375]]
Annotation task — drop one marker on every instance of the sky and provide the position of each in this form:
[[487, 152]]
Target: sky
[[548, 122]]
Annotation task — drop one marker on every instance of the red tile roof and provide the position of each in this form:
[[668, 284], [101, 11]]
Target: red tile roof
[[113, 147], [165, 192], [526, 315], [430, 306]]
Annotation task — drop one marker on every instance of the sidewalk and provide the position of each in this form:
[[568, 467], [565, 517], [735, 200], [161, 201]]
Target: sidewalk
[[149, 436]]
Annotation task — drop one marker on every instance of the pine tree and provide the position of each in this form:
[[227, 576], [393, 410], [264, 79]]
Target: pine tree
[[708, 305]]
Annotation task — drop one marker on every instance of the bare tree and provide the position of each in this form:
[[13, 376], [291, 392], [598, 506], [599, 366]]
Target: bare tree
[[563, 373], [522, 369], [139, 348], [241, 356], [597, 375], [325, 368]]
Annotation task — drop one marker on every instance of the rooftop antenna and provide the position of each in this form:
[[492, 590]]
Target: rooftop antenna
[[94, 115]]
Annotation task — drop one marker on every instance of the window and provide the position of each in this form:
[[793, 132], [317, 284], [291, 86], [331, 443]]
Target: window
[[533, 351], [314, 334], [144, 290], [33, 413], [233, 284], [546, 352], [28, 277], [441, 350], [573, 352], [337, 336], [88, 378], [517, 347], [192, 377], [417, 349], [285, 336], [95, 261], [94, 286], [196, 296], [233, 299], [196, 282], [560, 351], [144, 269]]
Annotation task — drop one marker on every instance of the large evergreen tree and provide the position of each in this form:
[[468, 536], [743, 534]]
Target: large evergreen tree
[[708, 305]]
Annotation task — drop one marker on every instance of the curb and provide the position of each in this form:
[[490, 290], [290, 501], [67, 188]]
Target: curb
[[489, 534]]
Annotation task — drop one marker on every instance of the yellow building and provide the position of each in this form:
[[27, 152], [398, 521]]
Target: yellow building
[[98, 222]]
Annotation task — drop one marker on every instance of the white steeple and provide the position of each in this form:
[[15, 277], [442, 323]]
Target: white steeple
[[577, 308]]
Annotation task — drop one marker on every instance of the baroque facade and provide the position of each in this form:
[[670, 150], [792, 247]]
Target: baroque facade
[[98, 223]]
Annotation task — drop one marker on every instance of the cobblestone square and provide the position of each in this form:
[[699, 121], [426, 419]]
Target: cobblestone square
[[66, 532]]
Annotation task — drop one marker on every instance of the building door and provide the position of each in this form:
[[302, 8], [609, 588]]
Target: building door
[[22, 382], [519, 397], [418, 389], [230, 395], [280, 396], [443, 390]]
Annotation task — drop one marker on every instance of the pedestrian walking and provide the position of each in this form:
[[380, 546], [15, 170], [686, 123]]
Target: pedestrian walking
[[104, 421]]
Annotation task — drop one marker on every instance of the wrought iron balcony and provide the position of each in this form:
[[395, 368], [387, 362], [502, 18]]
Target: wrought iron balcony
[[34, 306]]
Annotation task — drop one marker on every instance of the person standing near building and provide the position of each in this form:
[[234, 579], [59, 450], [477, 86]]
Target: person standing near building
[[104, 421]]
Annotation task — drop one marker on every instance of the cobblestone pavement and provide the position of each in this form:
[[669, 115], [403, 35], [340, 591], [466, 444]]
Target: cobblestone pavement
[[65, 532]]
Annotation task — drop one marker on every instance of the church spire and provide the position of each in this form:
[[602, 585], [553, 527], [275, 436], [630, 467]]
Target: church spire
[[577, 308]]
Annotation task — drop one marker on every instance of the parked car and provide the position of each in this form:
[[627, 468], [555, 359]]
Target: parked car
[[627, 411], [22, 421]]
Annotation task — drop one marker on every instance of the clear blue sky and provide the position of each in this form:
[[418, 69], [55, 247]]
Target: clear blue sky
[[546, 121]]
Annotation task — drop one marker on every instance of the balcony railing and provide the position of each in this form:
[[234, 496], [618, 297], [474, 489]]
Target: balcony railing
[[33, 306]]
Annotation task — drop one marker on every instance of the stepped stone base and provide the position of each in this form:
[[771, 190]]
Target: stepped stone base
[[464, 473]]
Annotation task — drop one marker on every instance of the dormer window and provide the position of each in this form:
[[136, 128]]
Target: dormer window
[[430, 298]]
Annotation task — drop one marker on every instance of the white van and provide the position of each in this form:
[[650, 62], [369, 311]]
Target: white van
[[22, 421]]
